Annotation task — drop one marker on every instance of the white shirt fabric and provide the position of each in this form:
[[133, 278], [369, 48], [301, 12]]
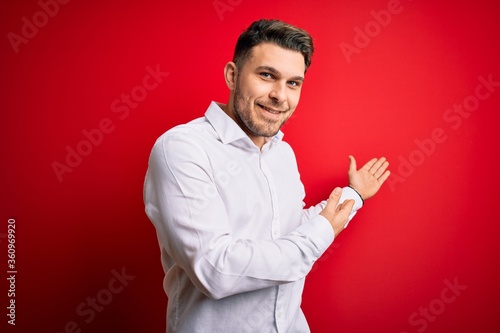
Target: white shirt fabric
[[236, 242]]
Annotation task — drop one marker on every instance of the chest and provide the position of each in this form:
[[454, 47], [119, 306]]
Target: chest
[[262, 192]]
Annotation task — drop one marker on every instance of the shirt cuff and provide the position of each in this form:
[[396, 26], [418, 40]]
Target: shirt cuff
[[350, 193]]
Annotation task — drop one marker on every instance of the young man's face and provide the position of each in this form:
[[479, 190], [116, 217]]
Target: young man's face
[[267, 89]]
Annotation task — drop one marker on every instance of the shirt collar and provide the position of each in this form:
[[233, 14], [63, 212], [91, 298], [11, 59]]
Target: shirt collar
[[227, 129]]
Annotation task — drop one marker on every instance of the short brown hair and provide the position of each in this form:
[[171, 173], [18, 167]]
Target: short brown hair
[[278, 32]]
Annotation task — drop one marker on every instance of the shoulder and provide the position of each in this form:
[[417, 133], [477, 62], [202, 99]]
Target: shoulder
[[197, 131], [186, 141]]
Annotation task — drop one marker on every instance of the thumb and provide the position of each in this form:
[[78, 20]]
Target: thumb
[[333, 200], [352, 164]]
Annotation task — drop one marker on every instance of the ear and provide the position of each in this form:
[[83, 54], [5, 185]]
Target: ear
[[230, 75]]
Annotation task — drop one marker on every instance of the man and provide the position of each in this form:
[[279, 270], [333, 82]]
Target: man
[[224, 194]]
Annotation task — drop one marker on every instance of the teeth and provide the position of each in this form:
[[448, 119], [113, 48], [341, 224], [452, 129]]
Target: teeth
[[269, 110]]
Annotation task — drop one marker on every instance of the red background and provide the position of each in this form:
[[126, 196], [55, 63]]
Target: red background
[[433, 223]]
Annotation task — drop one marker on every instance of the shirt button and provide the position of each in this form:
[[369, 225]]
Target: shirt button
[[275, 232]]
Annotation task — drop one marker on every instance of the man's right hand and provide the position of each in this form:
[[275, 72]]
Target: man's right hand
[[337, 214]]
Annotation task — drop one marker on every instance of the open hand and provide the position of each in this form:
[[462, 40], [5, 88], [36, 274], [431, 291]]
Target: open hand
[[368, 180]]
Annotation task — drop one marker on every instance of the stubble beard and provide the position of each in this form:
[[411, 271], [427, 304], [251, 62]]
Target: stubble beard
[[267, 128]]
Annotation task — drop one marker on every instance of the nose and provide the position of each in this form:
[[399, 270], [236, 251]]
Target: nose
[[278, 92]]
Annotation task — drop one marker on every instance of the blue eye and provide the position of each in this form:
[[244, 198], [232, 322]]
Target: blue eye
[[266, 75]]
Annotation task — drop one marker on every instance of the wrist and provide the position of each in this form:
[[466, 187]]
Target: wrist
[[357, 192]]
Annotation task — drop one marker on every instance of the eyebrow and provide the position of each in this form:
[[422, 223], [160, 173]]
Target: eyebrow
[[277, 73]]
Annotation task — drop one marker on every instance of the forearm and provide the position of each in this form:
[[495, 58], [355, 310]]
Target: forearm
[[235, 266], [221, 265], [198, 231]]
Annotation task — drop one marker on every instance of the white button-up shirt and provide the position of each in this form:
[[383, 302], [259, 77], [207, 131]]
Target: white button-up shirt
[[236, 242]]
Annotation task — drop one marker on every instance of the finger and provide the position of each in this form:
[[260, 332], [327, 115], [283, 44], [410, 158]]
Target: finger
[[347, 206], [381, 169], [344, 210], [378, 163], [352, 164], [333, 200], [369, 164], [384, 177]]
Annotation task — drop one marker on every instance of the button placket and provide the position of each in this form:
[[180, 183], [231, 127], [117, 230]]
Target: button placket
[[280, 312], [275, 223]]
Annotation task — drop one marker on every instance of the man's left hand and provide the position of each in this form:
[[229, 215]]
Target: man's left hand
[[368, 180]]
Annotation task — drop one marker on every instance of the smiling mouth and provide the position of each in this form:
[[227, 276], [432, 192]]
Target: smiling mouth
[[273, 111]]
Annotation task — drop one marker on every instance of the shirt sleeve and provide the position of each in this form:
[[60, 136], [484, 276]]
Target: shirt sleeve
[[192, 225], [347, 193]]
